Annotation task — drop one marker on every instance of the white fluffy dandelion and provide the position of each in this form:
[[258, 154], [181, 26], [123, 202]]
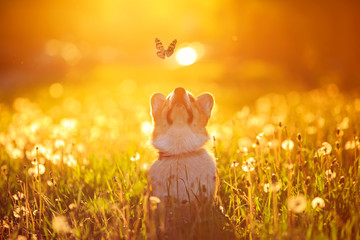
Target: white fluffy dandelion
[[318, 203]]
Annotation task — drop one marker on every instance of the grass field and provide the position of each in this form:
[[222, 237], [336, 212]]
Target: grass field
[[288, 165]]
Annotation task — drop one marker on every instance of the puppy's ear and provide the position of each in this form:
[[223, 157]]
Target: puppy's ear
[[206, 102], [157, 101]]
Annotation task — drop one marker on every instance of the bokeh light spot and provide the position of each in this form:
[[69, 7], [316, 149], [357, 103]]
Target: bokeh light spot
[[146, 128], [56, 90], [186, 56]]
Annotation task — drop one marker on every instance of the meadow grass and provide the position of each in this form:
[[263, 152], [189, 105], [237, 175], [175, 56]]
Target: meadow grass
[[287, 165]]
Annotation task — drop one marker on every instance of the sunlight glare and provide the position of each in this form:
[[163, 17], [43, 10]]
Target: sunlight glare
[[146, 128], [186, 56]]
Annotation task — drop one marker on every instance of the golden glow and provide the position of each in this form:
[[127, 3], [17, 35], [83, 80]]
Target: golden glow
[[186, 56], [146, 128], [56, 90]]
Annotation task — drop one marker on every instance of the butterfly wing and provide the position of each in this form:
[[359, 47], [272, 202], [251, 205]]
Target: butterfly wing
[[161, 54], [160, 47], [171, 48]]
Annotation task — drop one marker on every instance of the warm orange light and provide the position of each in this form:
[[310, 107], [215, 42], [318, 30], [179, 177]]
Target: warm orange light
[[56, 90]]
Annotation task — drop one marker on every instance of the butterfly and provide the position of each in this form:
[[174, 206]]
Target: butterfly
[[162, 52]]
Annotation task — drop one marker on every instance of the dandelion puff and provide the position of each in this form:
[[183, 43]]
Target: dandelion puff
[[234, 164], [21, 237], [18, 196], [60, 224], [249, 165], [34, 171], [297, 204], [135, 157], [4, 170], [318, 203], [154, 200], [349, 145], [144, 167], [59, 143], [72, 206], [50, 183], [330, 175], [267, 187], [287, 145], [324, 150], [5, 223], [275, 187], [16, 212]]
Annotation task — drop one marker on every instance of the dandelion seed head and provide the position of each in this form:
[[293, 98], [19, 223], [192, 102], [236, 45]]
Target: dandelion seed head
[[249, 165], [50, 183], [234, 164], [60, 224], [59, 143], [287, 145], [324, 150], [330, 175], [21, 237], [144, 166], [267, 187], [297, 204], [4, 170], [34, 170], [18, 196], [275, 187], [135, 157], [318, 203], [72, 206]]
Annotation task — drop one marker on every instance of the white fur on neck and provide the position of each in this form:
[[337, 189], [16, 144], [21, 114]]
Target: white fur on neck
[[179, 140]]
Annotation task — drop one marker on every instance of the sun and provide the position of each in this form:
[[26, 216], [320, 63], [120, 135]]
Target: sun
[[186, 56]]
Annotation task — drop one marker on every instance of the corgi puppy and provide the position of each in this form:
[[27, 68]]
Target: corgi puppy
[[185, 171]]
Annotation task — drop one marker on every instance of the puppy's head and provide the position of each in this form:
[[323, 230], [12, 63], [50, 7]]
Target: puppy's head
[[180, 120]]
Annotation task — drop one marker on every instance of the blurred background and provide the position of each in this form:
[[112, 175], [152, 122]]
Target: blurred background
[[238, 50]]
